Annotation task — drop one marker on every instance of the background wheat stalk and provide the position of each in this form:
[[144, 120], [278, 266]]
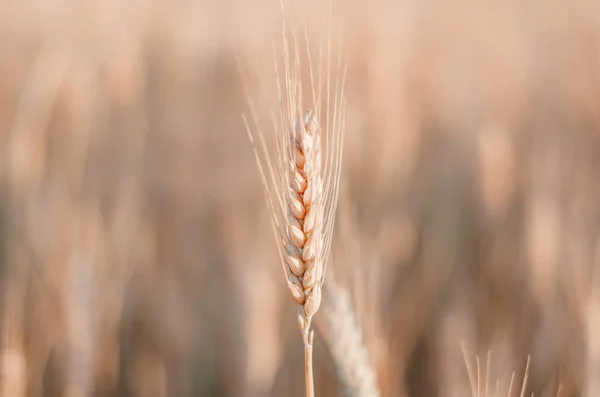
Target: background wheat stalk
[[302, 180], [345, 339]]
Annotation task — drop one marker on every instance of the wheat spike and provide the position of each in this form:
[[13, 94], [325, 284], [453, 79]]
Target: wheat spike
[[345, 340], [302, 181]]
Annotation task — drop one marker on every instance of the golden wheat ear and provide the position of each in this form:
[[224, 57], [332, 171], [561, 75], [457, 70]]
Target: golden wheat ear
[[301, 178]]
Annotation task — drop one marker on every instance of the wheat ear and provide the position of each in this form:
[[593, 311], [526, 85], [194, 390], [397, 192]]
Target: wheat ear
[[302, 184], [345, 340]]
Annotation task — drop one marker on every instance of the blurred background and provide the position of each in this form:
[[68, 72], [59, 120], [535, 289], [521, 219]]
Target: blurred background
[[136, 255]]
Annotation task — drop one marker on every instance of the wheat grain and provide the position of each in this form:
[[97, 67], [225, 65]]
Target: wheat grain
[[302, 183]]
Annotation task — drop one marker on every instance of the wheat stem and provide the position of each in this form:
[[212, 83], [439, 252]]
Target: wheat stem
[[307, 337]]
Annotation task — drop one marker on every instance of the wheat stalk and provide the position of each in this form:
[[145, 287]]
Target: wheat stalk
[[302, 182]]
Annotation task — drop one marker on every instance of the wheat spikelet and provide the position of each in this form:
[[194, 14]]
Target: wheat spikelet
[[302, 183], [345, 339]]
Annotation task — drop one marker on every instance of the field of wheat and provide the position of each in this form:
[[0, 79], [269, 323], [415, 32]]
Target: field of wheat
[[136, 252]]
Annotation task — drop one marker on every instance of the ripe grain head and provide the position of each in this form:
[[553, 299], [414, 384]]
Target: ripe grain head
[[301, 176]]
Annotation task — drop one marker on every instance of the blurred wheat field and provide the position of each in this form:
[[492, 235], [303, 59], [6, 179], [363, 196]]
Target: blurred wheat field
[[136, 253]]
